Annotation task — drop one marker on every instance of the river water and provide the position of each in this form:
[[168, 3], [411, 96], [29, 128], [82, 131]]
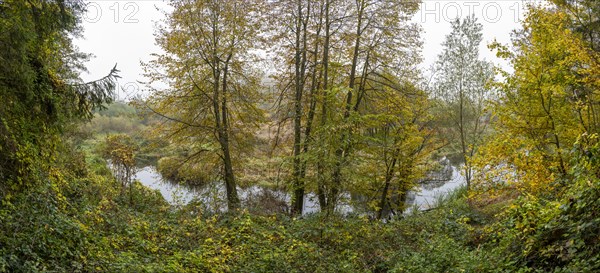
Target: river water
[[426, 195], [213, 195]]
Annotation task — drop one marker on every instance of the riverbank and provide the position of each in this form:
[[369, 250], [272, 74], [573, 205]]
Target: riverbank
[[88, 224], [100, 229]]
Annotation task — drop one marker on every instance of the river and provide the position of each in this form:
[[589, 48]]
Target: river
[[212, 196]]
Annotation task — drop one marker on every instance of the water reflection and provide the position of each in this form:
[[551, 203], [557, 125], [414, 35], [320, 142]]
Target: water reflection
[[260, 199], [426, 195], [174, 193]]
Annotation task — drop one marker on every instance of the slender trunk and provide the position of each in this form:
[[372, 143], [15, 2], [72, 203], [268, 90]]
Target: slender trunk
[[321, 188], [315, 85], [129, 182], [300, 68], [341, 152], [563, 169], [221, 121], [233, 202], [463, 137], [388, 179], [363, 82]]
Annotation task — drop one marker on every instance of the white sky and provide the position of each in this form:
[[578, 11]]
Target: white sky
[[122, 32]]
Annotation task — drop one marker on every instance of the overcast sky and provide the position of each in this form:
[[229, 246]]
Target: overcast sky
[[122, 32]]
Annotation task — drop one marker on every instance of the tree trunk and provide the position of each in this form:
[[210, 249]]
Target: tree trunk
[[342, 152], [233, 202], [314, 89], [300, 71], [388, 180], [321, 187]]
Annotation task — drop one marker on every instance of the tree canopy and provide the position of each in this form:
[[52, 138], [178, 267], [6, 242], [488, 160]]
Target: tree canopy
[[40, 89]]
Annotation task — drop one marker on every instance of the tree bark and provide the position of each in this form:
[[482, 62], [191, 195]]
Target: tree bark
[[299, 77], [388, 179], [233, 201], [321, 187]]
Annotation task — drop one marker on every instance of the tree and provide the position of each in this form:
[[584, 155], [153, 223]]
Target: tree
[[544, 106], [40, 88], [306, 58], [341, 49], [119, 150], [381, 41], [460, 84], [297, 16], [584, 18], [395, 146], [211, 103]]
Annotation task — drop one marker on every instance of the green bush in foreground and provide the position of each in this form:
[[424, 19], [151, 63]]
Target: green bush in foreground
[[80, 221]]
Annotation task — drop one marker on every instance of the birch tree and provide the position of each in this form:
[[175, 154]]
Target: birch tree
[[460, 83]]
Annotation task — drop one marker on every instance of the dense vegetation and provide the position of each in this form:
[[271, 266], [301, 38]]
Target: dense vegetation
[[347, 112]]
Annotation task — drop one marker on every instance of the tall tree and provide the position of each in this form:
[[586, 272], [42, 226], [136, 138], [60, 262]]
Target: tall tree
[[338, 51], [545, 105], [460, 84], [302, 80], [298, 16], [40, 88], [211, 103], [395, 144], [380, 40]]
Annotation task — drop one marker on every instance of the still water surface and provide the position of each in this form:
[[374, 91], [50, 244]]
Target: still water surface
[[213, 195]]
